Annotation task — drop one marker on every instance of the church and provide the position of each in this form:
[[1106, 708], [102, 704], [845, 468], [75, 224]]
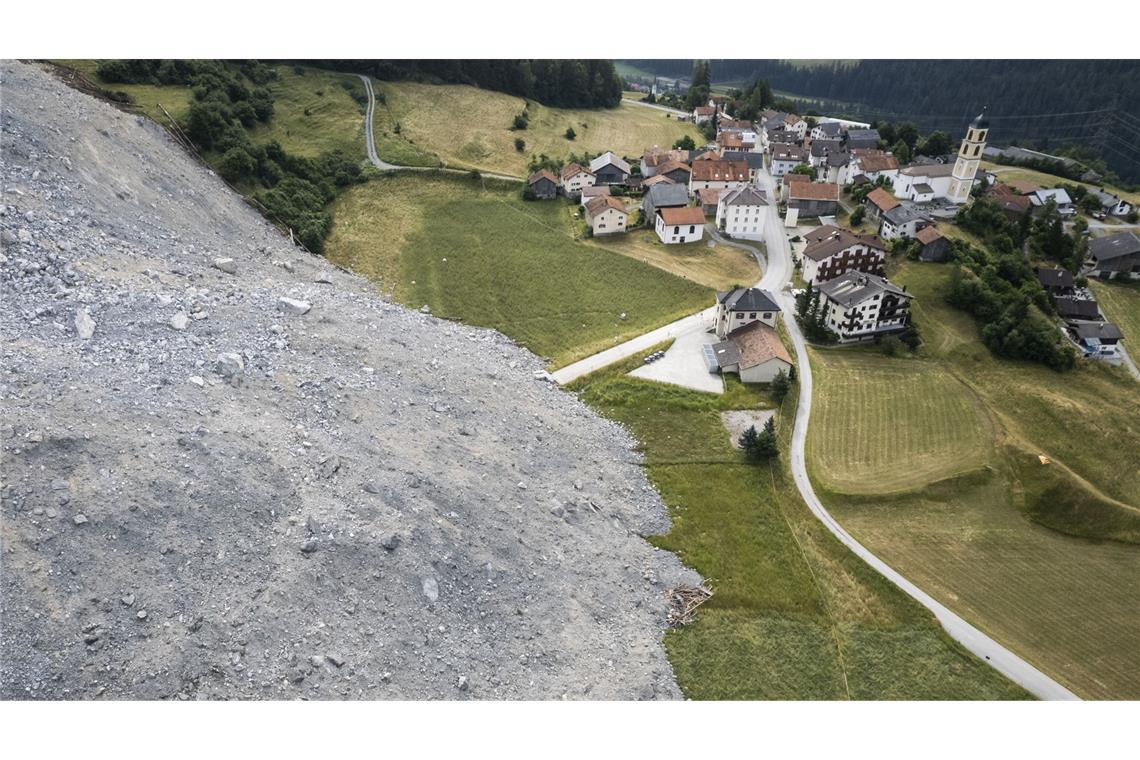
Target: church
[[922, 184]]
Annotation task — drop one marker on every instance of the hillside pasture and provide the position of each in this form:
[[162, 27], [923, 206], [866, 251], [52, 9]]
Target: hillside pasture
[[720, 267], [501, 262], [470, 128]]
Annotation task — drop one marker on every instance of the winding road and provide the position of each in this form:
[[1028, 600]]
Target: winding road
[[375, 160], [777, 279]]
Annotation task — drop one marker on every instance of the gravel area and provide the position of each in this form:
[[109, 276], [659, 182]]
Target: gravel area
[[231, 470]]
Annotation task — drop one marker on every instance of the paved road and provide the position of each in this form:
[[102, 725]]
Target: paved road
[[374, 159], [666, 109]]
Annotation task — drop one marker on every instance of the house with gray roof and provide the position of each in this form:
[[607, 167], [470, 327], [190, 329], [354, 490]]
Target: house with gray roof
[[1098, 340], [742, 306], [609, 169], [741, 212], [902, 222], [1114, 255], [862, 138], [663, 195], [858, 306]]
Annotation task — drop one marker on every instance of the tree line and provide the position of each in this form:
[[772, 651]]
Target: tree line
[[558, 83]]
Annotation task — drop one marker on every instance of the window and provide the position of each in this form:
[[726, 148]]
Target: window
[[676, 231], [740, 315], [752, 315], [692, 228], [767, 315]]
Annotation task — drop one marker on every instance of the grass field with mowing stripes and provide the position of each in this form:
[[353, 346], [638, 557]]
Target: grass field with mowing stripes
[[1043, 557]]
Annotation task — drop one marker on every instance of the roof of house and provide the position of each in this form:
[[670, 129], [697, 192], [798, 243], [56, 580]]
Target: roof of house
[[656, 156], [1082, 308], [1023, 186], [745, 196], [658, 179], [662, 195], [602, 203], [856, 287], [787, 152], [883, 199], [922, 188], [903, 215], [839, 240], [707, 155], [929, 170], [709, 196], [928, 235], [813, 191], [881, 163], [782, 136], [862, 134], [682, 215], [823, 147], [572, 169], [820, 233], [726, 353], [838, 158], [720, 171], [672, 166], [1056, 194], [542, 174], [747, 299], [704, 110], [1098, 330], [595, 191], [730, 140], [755, 160], [758, 343], [1114, 246], [1055, 278], [828, 128], [791, 177], [609, 157]]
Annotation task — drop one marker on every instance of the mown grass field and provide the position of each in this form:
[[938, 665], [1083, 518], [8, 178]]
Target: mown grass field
[[856, 443], [470, 128], [1044, 557], [720, 267], [486, 257], [1121, 304], [314, 112], [795, 615]]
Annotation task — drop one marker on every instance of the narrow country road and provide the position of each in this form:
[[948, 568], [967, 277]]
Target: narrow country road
[[777, 279], [374, 158], [654, 106]]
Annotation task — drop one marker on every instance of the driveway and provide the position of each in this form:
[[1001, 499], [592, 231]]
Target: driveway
[[684, 363]]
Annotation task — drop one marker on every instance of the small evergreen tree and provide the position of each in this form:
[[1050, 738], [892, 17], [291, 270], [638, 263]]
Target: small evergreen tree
[[780, 386], [570, 133]]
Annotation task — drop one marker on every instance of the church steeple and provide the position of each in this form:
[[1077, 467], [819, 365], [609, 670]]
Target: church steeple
[[969, 156]]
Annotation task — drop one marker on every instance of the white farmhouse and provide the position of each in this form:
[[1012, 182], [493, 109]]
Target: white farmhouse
[[573, 178], [685, 224], [740, 213], [742, 306], [606, 216]]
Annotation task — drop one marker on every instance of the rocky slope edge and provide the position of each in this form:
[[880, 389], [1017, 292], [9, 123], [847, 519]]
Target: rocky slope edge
[[231, 470]]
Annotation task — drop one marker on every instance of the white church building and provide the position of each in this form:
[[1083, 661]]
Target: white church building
[[922, 184]]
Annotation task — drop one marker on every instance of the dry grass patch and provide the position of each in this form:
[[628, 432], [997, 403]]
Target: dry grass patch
[[720, 267]]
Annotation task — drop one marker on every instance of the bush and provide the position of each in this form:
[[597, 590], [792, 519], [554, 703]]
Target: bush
[[236, 165], [759, 446], [685, 143], [570, 133], [520, 144], [857, 216], [520, 121], [781, 384]]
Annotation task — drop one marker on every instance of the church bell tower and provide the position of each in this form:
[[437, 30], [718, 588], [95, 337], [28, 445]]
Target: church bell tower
[[969, 156]]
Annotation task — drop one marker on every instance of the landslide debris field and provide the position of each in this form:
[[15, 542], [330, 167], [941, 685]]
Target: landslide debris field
[[231, 470]]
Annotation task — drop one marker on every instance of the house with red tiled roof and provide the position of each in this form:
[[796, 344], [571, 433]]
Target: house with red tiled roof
[[703, 114], [878, 202], [684, 224], [718, 175], [606, 215], [573, 177]]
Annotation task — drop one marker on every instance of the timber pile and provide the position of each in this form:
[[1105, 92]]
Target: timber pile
[[683, 603]]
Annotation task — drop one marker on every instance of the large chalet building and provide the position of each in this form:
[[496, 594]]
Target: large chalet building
[[832, 251], [859, 306]]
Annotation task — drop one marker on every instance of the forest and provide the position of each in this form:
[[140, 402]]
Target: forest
[[1050, 105], [558, 83]]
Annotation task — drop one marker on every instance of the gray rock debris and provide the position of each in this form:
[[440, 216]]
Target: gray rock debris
[[84, 324], [293, 306], [200, 451], [229, 266]]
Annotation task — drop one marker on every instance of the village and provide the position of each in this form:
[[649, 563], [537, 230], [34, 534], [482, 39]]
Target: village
[[844, 204]]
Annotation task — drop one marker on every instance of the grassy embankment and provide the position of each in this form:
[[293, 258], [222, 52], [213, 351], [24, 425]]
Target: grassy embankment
[[470, 128], [482, 255], [795, 615], [932, 462]]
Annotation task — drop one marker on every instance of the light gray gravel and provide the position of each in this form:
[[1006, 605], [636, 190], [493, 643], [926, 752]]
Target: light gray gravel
[[232, 481]]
